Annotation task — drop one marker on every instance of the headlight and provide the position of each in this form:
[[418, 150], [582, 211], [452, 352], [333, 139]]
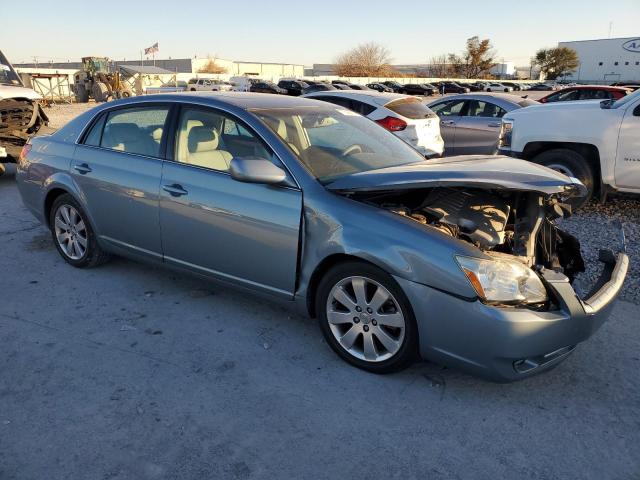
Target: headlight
[[503, 281], [506, 132]]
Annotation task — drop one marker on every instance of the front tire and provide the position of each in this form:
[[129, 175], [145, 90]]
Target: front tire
[[366, 318], [572, 164], [72, 234]]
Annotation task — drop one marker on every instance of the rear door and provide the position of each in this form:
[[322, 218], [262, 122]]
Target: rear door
[[245, 233], [117, 167], [627, 169], [449, 113], [478, 128]]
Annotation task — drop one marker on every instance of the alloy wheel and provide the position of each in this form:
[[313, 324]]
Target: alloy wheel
[[365, 319], [71, 232]]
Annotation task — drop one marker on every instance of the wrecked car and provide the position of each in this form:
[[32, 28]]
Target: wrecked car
[[458, 260], [20, 113]]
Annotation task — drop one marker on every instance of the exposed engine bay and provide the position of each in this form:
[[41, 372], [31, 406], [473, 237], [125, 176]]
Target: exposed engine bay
[[498, 222]]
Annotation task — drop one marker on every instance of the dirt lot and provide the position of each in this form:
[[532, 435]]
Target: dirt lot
[[133, 372]]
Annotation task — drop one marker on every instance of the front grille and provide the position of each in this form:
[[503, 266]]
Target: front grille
[[15, 114]]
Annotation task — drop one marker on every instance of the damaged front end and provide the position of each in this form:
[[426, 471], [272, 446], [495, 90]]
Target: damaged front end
[[510, 216], [20, 118]]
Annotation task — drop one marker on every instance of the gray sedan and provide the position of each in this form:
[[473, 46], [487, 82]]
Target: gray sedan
[[457, 260], [470, 123]]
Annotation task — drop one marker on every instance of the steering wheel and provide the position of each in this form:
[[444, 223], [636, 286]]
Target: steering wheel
[[355, 148]]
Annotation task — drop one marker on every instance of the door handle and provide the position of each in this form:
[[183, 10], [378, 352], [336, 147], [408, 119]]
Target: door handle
[[174, 190], [82, 168], [448, 123], [495, 124]]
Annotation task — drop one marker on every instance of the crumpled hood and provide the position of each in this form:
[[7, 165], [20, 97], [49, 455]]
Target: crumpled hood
[[479, 171], [9, 91]]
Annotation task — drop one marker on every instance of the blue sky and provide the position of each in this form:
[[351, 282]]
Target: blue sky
[[301, 32]]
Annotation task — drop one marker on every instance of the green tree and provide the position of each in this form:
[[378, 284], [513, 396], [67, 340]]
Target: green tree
[[557, 62], [475, 61]]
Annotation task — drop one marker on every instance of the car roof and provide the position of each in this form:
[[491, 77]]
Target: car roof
[[501, 99], [379, 98], [596, 87]]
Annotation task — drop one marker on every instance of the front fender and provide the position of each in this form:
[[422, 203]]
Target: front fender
[[400, 246]]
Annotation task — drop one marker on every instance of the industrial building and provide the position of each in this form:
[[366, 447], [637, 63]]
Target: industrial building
[[606, 60]]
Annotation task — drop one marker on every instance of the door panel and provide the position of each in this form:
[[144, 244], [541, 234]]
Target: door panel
[[449, 113], [627, 169], [477, 135], [118, 173], [243, 232]]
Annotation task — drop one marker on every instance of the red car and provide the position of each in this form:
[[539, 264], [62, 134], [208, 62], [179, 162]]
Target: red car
[[586, 92]]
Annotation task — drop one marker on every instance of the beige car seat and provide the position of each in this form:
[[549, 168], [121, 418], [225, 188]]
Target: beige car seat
[[202, 146]]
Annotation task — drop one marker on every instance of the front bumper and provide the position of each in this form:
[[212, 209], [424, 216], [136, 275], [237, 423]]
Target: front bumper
[[510, 343]]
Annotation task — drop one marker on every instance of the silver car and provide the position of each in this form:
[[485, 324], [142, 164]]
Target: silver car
[[456, 260], [470, 123]]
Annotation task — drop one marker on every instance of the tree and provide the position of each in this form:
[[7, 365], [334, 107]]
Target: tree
[[475, 61], [212, 67], [366, 60], [557, 62], [439, 67]]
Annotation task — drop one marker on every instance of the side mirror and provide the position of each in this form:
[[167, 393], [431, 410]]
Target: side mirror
[[256, 170]]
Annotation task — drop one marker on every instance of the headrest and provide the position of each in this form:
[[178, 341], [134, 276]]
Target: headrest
[[202, 139], [123, 132]]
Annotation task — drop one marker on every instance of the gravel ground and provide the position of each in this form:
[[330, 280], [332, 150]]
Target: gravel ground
[[596, 225]]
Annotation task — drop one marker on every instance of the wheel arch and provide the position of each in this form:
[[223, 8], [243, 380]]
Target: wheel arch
[[50, 197], [589, 151], [322, 268]]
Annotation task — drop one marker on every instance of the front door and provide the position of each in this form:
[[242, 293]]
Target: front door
[[245, 233], [628, 154], [117, 168]]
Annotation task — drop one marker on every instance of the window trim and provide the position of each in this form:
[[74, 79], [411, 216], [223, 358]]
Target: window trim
[[137, 105], [172, 142]]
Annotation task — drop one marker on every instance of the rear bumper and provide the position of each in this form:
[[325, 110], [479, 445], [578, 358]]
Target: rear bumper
[[506, 344]]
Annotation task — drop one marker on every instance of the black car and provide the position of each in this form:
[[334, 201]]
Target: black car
[[452, 87], [267, 87], [293, 87], [394, 86], [541, 87], [319, 87], [339, 82], [342, 86], [418, 89], [516, 86], [474, 87], [380, 87], [355, 86]]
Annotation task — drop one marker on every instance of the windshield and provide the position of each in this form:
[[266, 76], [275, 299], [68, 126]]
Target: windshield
[[8, 75], [333, 142], [626, 99]]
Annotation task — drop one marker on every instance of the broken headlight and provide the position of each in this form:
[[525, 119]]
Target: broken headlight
[[503, 281]]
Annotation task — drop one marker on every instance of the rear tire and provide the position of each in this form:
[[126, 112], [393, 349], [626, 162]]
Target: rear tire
[[82, 95], [572, 164], [68, 219], [100, 92], [377, 344]]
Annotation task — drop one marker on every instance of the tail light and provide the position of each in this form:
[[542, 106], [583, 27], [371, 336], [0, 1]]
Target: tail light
[[392, 124], [24, 152]]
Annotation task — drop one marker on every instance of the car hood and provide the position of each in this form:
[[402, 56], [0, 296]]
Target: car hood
[[491, 172], [9, 91]]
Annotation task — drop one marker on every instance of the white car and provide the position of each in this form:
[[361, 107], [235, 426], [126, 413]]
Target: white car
[[404, 115], [207, 84], [242, 84], [497, 87], [597, 142]]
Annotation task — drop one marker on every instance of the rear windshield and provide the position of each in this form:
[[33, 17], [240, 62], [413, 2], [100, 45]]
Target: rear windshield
[[410, 108]]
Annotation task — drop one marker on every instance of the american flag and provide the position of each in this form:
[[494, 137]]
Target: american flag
[[152, 49]]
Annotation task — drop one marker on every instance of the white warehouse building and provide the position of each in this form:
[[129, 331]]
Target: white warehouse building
[[606, 60]]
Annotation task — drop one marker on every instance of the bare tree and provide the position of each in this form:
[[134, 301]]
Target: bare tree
[[475, 61], [366, 60], [212, 67], [439, 67]]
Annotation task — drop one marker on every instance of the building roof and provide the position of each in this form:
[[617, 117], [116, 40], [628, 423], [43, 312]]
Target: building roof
[[144, 69]]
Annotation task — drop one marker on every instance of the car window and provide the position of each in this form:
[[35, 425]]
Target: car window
[[410, 108], [565, 96], [210, 139], [448, 109], [361, 107], [594, 94], [477, 108], [95, 134], [135, 130]]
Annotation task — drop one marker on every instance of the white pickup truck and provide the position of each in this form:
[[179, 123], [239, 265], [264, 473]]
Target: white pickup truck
[[595, 142]]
